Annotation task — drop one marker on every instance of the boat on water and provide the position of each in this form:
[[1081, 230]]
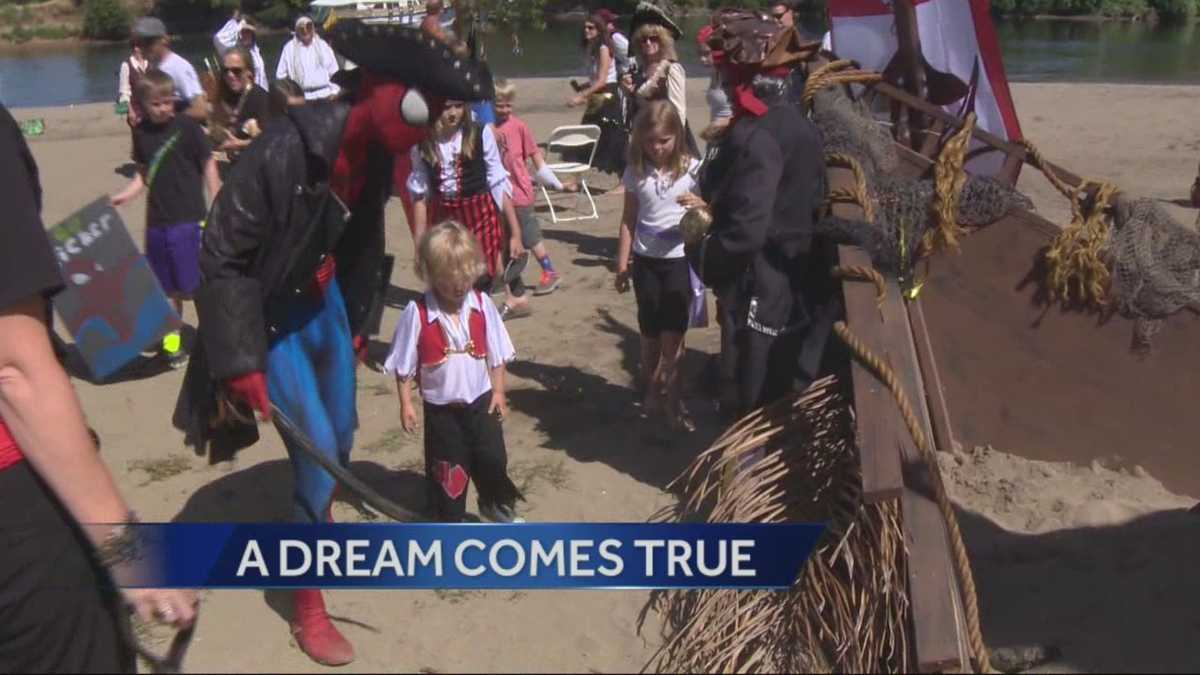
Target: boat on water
[[402, 12]]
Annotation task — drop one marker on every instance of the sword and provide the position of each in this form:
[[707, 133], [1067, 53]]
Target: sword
[[342, 474]]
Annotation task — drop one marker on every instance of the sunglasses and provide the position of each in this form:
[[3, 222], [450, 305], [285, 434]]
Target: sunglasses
[[778, 16], [234, 71], [649, 38], [590, 29]]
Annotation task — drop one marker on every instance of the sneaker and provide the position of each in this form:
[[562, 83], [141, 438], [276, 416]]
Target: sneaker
[[500, 513], [547, 284], [508, 312], [178, 359]]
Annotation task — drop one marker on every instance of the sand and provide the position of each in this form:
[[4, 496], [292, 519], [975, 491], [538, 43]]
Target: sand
[[1089, 560]]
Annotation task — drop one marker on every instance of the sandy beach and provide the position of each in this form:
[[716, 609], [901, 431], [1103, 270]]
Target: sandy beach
[[1094, 561]]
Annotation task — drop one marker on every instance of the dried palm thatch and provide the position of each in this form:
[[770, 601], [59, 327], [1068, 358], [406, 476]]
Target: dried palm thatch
[[793, 461]]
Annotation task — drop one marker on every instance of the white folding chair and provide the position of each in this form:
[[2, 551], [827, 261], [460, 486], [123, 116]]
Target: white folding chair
[[574, 137]]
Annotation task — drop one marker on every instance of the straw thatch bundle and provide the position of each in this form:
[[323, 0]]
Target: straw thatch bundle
[[793, 461]]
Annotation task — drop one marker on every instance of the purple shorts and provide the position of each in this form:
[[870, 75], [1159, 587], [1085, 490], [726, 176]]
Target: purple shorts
[[174, 255]]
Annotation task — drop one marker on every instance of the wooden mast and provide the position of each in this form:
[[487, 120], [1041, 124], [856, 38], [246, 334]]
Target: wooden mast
[[909, 50]]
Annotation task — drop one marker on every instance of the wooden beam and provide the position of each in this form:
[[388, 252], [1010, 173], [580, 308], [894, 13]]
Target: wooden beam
[[909, 51], [935, 395]]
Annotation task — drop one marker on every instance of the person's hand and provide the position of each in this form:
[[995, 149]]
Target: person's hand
[[251, 389], [118, 200], [361, 348], [622, 280], [408, 417], [173, 607], [627, 83], [499, 406], [515, 247], [576, 101], [570, 187], [131, 118], [690, 200]]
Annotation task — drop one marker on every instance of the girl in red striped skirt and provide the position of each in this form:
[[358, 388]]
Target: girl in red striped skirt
[[457, 174]]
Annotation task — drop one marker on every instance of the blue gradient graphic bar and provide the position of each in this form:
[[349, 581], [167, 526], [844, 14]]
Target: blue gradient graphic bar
[[470, 556]]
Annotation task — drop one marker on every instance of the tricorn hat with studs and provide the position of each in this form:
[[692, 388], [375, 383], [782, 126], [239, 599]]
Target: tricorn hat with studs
[[650, 13], [414, 57]]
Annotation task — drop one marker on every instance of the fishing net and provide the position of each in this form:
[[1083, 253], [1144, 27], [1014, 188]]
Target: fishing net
[[1155, 266], [794, 461], [902, 207]]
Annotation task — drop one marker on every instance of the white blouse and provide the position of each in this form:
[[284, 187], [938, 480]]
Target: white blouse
[[448, 152], [462, 378]]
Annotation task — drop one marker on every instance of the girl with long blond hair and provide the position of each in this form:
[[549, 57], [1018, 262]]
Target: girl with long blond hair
[[660, 185]]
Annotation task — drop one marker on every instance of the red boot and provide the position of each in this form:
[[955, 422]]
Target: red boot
[[315, 633]]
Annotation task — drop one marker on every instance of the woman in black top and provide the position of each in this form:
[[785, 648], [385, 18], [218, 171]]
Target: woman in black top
[[242, 107]]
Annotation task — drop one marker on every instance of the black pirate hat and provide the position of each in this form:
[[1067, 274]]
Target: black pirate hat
[[649, 13], [412, 56]]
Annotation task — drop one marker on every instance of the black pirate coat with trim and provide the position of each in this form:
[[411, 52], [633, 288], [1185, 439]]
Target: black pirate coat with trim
[[764, 180], [276, 217]]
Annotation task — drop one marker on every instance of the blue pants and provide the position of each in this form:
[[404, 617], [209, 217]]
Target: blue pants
[[310, 377]]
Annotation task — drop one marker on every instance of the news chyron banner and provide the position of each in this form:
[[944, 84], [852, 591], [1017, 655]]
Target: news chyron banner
[[468, 556]]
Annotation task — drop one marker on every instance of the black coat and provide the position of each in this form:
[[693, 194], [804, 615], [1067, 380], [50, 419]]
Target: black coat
[[765, 182], [267, 232]]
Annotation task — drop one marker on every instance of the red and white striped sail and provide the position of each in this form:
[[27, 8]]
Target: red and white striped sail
[[953, 34]]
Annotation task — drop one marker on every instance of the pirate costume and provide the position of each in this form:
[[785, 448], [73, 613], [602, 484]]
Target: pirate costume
[[468, 187], [764, 181], [292, 260], [451, 363], [668, 80]]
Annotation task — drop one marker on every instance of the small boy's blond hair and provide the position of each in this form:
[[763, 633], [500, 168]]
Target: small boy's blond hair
[[449, 251], [153, 84], [505, 91]]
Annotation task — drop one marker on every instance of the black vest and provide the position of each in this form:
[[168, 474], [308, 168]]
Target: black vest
[[472, 173]]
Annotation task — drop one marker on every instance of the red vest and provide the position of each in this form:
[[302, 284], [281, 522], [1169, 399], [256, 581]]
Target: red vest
[[10, 454], [433, 347]]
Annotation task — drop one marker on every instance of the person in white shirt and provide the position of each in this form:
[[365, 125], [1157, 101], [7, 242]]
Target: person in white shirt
[[453, 343], [660, 186], [240, 31], [309, 61], [151, 34]]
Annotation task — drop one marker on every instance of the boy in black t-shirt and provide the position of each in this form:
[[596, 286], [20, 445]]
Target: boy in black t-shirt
[[173, 158]]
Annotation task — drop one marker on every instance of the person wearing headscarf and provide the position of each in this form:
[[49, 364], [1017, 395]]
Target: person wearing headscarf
[[308, 61], [763, 183], [240, 31]]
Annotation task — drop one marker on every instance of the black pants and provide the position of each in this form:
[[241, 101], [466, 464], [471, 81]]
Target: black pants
[[465, 443], [663, 289], [55, 614]]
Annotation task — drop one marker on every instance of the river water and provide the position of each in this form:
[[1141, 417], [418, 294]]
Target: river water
[[1033, 51]]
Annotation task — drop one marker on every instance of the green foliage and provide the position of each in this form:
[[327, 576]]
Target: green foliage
[[105, 20], [1167, 9]]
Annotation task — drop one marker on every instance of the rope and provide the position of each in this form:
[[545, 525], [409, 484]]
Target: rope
[[962, 563], [948, 180], [860, 194], [834, 73], [863, 273], [1077, 259]]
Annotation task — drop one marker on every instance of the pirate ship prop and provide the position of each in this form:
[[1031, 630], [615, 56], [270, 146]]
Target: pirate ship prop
[[971, 320]]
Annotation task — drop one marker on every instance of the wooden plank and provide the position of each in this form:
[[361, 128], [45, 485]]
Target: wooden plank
[[875, 426], [935, 395], [933, 136], [937, 621], [909, 51]]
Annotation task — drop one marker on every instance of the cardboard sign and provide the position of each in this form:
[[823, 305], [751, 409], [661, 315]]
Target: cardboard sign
[[113, 304]]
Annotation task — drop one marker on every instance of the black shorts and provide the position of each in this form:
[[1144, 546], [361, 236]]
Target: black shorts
[[664, 294], [55, 612]]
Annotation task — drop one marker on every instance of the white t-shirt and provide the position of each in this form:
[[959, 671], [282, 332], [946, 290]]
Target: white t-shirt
[[621, 43], [657, 234], [187, 83]]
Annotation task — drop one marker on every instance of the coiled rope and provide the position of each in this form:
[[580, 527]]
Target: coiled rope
[[861, 194], [1077, 261], [843, 71]]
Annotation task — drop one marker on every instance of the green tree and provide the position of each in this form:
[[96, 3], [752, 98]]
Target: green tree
[[105, 20]]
